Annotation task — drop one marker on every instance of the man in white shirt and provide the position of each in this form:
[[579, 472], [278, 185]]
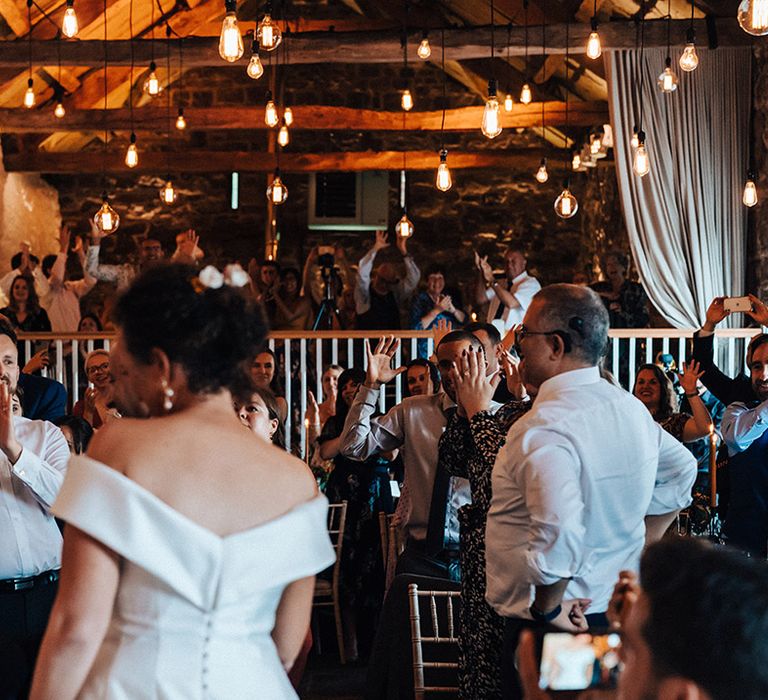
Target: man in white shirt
[[507, 298], [33, 460], [583, 481]]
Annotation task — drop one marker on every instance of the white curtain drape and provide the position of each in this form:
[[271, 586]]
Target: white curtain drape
[[686, 223]]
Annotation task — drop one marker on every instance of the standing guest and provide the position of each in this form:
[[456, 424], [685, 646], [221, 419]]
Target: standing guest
[[206, 589], [261, 415], [468, 448], [365, 487], [625, 300], [421, 378], [265, 279], [264, 375], [491, 340], [509, 297], [33, 460], [655, 390], [23, 263], [77, 432], [294, 310], [62, 300], [318, 414], [432, 305], [379, 296], [96, 406], [23, 310], [150, 253], [584, 480]]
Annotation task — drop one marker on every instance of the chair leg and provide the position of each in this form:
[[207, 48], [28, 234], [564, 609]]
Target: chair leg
[[315, 623], [339, 630]]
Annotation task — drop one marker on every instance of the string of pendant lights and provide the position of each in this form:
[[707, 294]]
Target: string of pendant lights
[[566, 204], [443, 179], [542, 175], [491, 122]]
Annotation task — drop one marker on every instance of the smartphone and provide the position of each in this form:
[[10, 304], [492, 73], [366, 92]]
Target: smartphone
[[579, 661], [737, 304]]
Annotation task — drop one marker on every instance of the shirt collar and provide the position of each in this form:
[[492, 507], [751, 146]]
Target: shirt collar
[[519, 278], [568, 380], [445, 401]]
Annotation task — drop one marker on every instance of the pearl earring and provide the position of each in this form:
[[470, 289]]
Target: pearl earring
[[168, 395]]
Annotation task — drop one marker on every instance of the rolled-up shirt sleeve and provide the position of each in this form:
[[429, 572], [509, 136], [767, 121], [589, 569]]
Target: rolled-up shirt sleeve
[[674, 476], [549, 482], [363, 435], [43, 474], [741, 426]]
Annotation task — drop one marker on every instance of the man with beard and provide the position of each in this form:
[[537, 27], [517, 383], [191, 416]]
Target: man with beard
[[584, 480], [33, 461], [745, 431]]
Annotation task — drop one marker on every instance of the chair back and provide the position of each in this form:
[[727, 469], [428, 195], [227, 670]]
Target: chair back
[[439, 629], [337, 519]]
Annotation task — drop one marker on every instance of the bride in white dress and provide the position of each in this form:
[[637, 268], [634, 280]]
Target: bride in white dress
[[191, 544]]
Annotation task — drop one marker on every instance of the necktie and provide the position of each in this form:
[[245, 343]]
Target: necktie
[[436, 522]]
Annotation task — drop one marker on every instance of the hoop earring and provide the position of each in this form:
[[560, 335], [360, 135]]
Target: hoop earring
[[168, 395]]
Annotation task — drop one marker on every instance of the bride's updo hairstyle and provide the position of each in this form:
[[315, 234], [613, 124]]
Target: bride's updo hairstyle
[[212, 333]]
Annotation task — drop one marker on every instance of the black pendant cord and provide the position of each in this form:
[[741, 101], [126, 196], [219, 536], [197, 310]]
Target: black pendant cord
[[29, 39], [565, 132], [104, 159], [133, 61], [168, 96], [493, 34], [641, 70], [442, 67]]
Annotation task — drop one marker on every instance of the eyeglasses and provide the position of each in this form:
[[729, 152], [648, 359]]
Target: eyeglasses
[[522, 332], [98, 368]]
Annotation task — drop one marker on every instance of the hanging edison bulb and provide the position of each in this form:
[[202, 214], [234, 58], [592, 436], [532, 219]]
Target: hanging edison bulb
[[443, 180], [491, 124], [667, 81], [526, 94], [288, 116], [283, 137], [566, 205], [231, 46], [749, 198], [106, 219], [508, 102], [69, 26], [58, 110], [594, 48], [168, 193], [181, 122], [641, 163], [152, 84], [577, 164], [132, 154], [690, 59], [270, 112], [255, 68], [404, 227], [425, 50], [268, 34], [277, 192], [29, 95], [406, 100], [753, 17], [541, 174], [634, 141]]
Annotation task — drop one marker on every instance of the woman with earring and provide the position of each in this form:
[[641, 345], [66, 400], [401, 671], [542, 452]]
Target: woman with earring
[[261, 415], [191, 546]]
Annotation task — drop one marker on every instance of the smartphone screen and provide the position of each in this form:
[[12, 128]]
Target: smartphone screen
[[579, 661]]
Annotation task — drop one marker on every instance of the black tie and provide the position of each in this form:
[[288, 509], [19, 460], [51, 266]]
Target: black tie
[[436, 523]]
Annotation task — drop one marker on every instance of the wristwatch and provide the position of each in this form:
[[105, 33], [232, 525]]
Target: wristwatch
[[539, 616]]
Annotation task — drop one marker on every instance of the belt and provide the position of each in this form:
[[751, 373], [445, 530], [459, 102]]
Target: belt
[[26, 583]]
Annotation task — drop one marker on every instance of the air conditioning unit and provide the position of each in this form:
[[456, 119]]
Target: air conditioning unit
[[349, 201]]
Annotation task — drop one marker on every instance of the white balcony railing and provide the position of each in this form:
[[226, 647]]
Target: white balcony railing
[[303, 356]]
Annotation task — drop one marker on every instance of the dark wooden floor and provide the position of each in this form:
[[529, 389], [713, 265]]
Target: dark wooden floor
[[326, 679]]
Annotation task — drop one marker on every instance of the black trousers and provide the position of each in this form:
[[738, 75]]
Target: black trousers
[[23, 619], [513, 628]]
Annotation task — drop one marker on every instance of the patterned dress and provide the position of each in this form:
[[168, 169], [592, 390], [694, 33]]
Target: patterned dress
[[468, 449], [674, 424]]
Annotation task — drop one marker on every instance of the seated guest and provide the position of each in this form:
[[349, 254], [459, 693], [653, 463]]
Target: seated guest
[[77, 432], [379, 296], [653, 388], [34, 460], [293, 309], [330, 384], [42, 398], [673, 626], [745, 431], [264, 375], [433, 305], [583, 481], [96, 406], [468, 448], [365, 487], [261, 416], [23, 310], [421, 378]]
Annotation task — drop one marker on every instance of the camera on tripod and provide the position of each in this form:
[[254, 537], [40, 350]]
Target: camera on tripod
[[328, 312], [326, 259]]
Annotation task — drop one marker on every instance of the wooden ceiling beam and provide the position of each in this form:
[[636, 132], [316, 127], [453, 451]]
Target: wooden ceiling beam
[[373, 46], [306, 118], [245, 161]]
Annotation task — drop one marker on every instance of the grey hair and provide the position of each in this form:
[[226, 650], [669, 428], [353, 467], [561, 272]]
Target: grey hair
[[579, 312]]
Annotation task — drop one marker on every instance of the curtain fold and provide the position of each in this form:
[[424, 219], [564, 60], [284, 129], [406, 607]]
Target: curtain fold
[[686, 223]]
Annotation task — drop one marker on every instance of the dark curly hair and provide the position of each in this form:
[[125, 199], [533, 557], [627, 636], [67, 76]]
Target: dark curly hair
[[212, 334]]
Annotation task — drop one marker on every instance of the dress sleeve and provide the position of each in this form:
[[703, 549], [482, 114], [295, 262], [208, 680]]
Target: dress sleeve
[[455, 446]]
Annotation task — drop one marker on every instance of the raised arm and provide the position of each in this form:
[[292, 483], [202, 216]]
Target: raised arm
[[697, 426], [364, 267]]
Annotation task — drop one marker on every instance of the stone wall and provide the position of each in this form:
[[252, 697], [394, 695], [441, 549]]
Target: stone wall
[[757, 247]]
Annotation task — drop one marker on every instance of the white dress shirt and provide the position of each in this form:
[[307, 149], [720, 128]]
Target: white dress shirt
[[62, 299], [414, 427], [571, 489], [523, 288], [742, 425], [31, 541]]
